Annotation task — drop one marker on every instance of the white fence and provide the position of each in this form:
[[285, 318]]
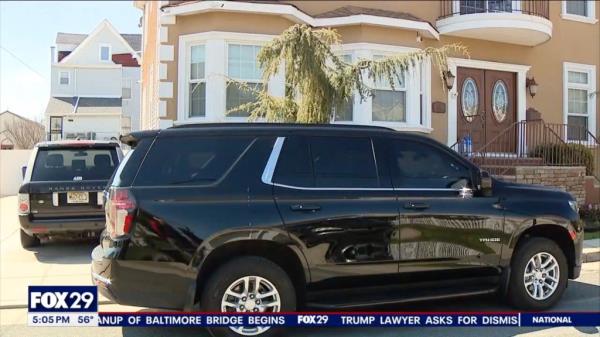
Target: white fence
[[11, 162]]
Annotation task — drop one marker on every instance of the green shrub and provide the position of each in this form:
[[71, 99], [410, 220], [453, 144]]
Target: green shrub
[[562, 154], [590, 214]]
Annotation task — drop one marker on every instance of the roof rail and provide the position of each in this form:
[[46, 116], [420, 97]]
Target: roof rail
[[281, 125]]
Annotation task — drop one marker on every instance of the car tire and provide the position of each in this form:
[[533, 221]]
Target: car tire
[[533, 285], [28, 241], [267, 274]]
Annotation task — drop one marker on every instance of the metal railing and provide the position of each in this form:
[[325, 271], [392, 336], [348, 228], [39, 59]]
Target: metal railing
[[465, 7], [529, 143]]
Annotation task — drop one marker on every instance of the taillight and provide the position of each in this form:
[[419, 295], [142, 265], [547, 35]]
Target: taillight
[[120, 211], [23, 199]]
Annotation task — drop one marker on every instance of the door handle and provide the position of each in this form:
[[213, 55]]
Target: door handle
[[416, 205], [305, 208]]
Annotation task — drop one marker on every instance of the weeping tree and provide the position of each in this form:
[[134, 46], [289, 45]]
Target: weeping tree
[[317, 80]]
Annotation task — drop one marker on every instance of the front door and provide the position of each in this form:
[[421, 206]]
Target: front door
[[487, 107], [442, 229]]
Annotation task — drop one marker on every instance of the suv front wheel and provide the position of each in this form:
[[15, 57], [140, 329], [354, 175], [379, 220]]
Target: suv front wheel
[[538, 275], [248, 284]]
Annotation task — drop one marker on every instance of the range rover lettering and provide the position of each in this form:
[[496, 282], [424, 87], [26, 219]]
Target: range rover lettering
[[278, 218], [62, 188]]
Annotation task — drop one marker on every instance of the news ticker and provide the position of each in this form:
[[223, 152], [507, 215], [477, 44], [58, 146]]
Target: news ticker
[[78, 306], [168, 319]]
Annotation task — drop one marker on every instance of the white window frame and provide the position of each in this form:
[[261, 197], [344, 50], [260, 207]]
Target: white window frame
[[60, 73], [104, 45], [216, 60], [341, 54], [515, 7], [417, 83], [590, 69], [230, 42], [385, 86], [590, 18], [188, 80]]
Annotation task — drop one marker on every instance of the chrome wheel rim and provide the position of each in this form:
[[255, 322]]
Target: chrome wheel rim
[[541, 276], [251, 294]]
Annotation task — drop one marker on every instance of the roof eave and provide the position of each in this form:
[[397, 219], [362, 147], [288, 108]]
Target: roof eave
[[295, 15]]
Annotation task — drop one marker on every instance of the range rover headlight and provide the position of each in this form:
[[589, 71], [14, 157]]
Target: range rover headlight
[[574, 206]]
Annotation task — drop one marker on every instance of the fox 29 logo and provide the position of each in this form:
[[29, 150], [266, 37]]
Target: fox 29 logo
[[63, 299]]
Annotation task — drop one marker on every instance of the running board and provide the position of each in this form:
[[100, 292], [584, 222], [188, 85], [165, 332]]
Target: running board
[[371, 300]]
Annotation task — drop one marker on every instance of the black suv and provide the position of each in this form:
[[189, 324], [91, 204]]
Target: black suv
[[275, 217], [62, 190]]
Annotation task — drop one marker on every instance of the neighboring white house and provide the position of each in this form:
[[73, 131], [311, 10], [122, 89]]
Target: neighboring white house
[[95, 92]]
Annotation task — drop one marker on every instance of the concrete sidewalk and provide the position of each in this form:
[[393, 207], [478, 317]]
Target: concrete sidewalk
[[591, 250], [53, 263]]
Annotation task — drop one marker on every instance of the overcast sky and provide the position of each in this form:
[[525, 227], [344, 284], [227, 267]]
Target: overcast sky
[[28, 29]]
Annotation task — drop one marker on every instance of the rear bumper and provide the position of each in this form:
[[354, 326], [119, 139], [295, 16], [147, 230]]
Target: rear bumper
[[152, 284], [62, 226]]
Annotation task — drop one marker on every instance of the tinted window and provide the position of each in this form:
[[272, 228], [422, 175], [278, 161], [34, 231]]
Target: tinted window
[[190, 160], [294, 166], [327, 162], [419, 165], [68, 164], [343, 162], [129, 166]]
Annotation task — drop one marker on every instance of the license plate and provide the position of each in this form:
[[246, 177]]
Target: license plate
[[77, 198]]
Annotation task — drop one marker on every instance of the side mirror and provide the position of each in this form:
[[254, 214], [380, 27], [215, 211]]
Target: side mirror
[[23, 170], [485, 183]]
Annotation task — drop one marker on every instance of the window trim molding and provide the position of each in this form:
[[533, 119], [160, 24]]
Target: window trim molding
[[590, 69], [216, 49], [60, 72], [341, 54], [228, 43], [362, 113], [102, 45], [515, 7], [215, 61], [590, 18], [188, 80]]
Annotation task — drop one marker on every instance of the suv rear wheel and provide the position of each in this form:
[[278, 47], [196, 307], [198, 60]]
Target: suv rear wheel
[[28, 241], [248, 284], [538, 275]]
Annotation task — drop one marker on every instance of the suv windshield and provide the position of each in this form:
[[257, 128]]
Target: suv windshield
[[74, 164]]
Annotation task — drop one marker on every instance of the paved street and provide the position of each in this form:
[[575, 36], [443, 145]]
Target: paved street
[[60, 263]]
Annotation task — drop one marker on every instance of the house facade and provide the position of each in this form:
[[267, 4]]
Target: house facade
[[527, 60], [95, 92]]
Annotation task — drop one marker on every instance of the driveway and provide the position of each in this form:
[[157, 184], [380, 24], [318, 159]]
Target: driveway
[[67, 263], [54, 263]]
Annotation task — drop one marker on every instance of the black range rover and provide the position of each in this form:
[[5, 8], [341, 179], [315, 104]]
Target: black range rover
[[273, 217], [62, 190]]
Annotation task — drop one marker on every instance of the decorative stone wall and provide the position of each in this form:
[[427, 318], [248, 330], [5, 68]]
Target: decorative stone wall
[[567, 178]]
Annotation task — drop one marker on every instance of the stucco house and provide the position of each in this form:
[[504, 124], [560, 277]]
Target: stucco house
[[95, 91], [536, 56]]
